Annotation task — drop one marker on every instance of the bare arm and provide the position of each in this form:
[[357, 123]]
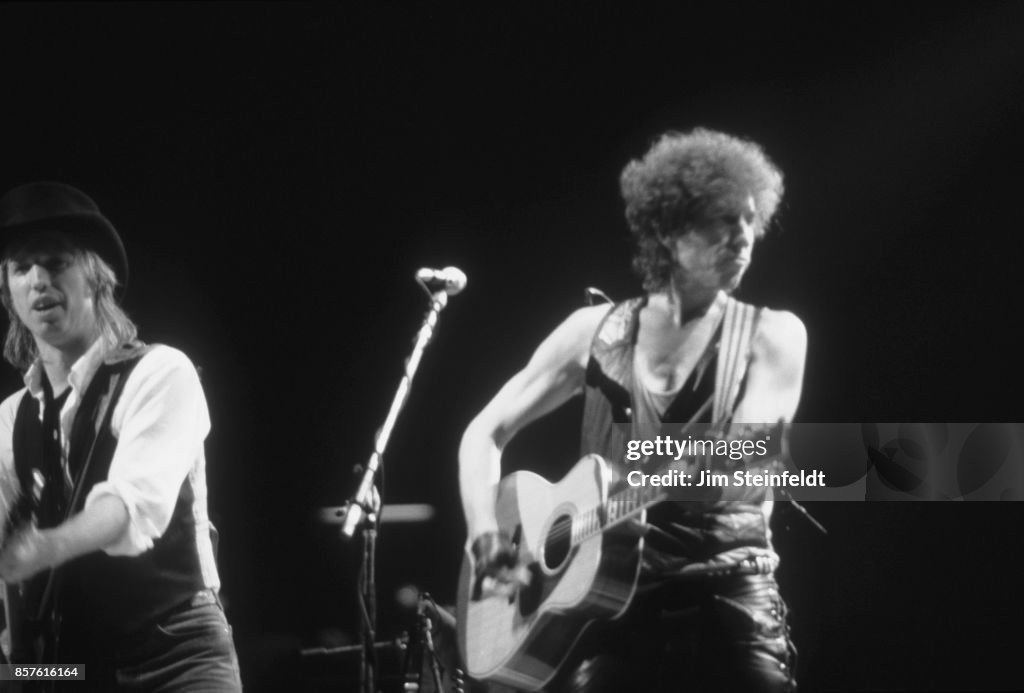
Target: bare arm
[[776, 372], [553, 375]]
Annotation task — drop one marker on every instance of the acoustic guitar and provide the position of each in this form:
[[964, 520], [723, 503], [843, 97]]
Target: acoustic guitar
[[582, 562]]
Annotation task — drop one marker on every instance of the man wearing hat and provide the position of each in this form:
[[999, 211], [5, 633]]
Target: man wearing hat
[[106, 542]]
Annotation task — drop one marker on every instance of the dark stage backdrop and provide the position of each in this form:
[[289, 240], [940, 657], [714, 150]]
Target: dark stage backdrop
[[279, 172]]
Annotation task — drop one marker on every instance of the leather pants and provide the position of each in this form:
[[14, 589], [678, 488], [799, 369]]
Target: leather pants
[[724, 634]]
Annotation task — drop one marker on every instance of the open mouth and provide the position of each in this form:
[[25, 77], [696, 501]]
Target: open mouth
[[42, 304]]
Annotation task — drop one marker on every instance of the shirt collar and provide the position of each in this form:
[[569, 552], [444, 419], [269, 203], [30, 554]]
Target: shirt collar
[[80, 376]]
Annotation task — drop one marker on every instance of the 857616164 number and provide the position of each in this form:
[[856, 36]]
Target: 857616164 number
[[49, 672]]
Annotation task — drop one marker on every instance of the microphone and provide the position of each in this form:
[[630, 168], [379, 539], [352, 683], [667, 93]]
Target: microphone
[[451, 280]]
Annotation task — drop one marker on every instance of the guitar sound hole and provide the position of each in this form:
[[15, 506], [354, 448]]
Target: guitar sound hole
[[558, 543]]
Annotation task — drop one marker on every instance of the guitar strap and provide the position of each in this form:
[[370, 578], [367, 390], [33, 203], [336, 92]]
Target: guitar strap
[[739, 324]]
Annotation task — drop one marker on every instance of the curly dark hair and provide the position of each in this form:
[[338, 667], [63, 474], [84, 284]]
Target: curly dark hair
[[683, 174]]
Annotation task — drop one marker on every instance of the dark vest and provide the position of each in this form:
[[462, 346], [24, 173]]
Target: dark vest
[[115, 594], [682, 532]]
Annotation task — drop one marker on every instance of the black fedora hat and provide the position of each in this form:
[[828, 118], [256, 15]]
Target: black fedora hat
[[49, 206]]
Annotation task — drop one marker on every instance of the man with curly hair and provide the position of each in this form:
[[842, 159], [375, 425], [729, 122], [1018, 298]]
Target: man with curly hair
[[105, 542], [707, 615]]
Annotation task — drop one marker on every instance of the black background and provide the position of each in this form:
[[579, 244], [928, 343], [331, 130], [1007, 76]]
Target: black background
[[279, 172]]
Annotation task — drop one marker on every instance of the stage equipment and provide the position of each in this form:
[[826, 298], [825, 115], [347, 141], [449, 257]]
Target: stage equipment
[[362, 512], [394, 513]]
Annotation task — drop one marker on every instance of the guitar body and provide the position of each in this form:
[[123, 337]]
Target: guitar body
[[29, 633], [521, 641]]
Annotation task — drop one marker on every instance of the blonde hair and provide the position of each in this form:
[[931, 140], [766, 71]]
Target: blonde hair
[[115, 327]]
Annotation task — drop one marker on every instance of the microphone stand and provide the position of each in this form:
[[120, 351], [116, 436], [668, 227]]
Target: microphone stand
[[362, 510], [421, 644]]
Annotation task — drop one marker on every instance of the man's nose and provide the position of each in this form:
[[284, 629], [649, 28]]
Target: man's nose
[[39, 276], [742, 235]]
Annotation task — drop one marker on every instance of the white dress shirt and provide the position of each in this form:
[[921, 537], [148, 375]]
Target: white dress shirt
[[160, 423]]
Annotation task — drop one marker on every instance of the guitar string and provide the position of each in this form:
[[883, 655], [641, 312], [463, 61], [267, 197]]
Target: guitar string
[[616, 508]]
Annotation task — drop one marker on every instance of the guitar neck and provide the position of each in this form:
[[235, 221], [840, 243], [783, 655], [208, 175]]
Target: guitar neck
[[9, 494], [619, 507]]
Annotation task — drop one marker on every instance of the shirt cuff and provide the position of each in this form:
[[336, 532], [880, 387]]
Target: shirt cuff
[[140, 531]]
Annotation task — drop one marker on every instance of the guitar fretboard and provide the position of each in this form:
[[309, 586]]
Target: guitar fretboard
[[620, 507], [633, 500]]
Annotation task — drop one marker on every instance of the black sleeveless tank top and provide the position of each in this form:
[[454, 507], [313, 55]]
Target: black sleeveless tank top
[[682, 535]]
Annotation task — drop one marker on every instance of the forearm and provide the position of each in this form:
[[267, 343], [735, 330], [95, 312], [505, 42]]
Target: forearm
[[93, 529], [479, 473], [30, 550]]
